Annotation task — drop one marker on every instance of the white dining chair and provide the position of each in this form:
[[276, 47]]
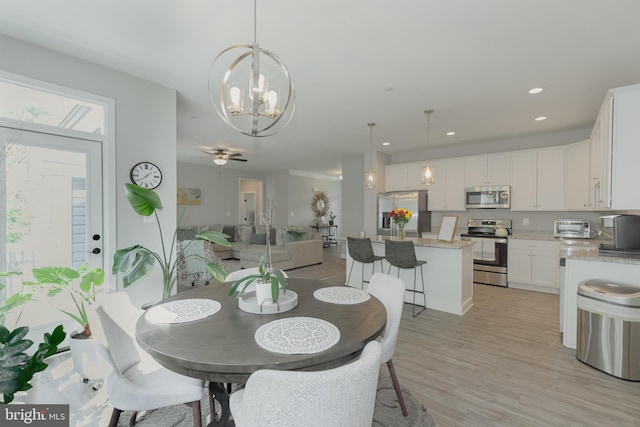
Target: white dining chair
[[239, 274], [343, 396], [136, 381], [390, 291]]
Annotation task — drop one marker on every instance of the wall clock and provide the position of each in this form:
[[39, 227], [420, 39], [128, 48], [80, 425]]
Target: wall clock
[[146, 175]]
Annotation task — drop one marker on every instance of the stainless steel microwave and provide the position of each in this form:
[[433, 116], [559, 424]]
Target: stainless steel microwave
[[488, 197]]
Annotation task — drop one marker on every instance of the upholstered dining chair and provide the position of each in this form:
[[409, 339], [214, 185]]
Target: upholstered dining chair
[[136, 381], [344, 396], [361, 250], [402, 255], [390, 291], [239, 274]]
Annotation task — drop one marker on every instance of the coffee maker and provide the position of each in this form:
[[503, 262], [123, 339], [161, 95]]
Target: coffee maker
[[623, 229]]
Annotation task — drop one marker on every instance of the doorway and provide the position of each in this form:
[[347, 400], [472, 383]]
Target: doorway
[[250, 201], [50, 215]]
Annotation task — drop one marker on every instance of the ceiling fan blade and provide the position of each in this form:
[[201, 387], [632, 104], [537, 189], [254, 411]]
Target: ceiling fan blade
[[234, 154], [238, 160]]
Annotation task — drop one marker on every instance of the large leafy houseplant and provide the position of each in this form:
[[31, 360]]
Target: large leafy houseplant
[[57, 279], [137, 261], [16, 367]]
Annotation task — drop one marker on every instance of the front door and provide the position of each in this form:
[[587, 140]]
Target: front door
[[51, 214]]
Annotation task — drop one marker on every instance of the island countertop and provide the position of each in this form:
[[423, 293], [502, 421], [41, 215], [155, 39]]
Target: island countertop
[[431, 243]]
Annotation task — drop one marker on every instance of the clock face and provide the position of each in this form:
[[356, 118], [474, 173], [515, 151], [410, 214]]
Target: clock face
[[146, 175]]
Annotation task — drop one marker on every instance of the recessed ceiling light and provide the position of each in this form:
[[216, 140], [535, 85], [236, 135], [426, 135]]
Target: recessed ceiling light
[[386, 143], [451, 133], [541, 118], [536, 90]]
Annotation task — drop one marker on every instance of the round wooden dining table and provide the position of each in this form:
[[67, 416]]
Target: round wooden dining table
[[222, 348]]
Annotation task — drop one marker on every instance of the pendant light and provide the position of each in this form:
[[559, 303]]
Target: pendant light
[[370, 176], [427, 174]]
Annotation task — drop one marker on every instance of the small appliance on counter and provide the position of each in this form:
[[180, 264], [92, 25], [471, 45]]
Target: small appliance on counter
[[625, 232], [571, 229]]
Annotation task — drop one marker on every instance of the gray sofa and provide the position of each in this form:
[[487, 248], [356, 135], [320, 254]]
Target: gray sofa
[[291, 247]]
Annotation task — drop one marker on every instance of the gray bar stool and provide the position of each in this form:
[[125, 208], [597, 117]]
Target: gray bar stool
[[402, 255], [361, 250]]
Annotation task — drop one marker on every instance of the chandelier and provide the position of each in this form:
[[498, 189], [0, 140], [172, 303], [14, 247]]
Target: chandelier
[[427, 174], [251, 88], [370, 176]]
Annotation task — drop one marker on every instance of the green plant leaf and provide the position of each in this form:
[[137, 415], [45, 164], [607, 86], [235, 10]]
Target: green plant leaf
[[15, 300], [144, 201], [136, 261], [13, 360], [245, 281], [216, 271], [56, 275], [17, 334], [275, 288], [9, 273], [18, 347], [215, 237], [4, 334], [94, 277]]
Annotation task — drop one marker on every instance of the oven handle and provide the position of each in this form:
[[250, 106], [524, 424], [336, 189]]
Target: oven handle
[[468, 238]]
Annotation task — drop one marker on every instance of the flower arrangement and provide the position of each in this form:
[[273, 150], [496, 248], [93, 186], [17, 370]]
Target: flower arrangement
[[400, 217]]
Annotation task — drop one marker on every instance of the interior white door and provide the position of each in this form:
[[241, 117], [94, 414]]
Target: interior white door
[[51, 214]]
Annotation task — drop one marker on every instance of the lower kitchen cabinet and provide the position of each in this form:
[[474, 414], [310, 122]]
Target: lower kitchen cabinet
[[533, 264]]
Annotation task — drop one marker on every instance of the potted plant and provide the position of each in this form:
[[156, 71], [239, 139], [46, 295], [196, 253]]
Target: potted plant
[[137, 261], [268, 282], [17, 369], [82, 286], [331, 218]]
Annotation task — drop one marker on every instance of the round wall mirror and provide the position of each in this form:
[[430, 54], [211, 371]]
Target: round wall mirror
[[320, 204]]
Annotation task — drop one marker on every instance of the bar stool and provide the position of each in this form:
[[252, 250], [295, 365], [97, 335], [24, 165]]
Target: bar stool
[[361, 250], [402, 255]]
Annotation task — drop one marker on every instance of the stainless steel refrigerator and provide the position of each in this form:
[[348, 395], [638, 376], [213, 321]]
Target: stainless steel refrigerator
[[415, 201]]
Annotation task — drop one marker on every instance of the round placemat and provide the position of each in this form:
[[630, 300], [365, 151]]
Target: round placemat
[[184, 310], [341, 295], [297, 335]]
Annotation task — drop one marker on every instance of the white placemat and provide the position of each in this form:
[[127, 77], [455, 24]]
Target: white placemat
[[184, 310], [341, 295], [297, 335]]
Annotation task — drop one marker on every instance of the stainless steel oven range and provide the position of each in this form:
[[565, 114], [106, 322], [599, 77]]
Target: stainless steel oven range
[[490, 250]]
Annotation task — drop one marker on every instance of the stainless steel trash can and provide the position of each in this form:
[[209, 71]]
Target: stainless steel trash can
[[609, 327]]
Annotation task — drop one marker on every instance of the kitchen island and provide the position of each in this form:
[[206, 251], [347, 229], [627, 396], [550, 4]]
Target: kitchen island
[[595, 266], [448, 274]]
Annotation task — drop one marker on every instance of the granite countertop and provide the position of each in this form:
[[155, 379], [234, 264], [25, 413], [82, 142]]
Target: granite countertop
[[600, 258], [431, 243]]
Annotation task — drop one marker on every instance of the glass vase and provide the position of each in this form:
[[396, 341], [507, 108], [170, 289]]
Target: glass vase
[[401, 231]]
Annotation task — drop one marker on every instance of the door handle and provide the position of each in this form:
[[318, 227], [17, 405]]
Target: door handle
[[96, 251]]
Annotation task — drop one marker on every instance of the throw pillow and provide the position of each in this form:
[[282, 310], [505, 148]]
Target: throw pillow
[[230, 230], [296, 236], [272, 236], [258, 239]]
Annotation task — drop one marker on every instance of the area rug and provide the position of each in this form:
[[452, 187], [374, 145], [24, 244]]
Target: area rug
[[387, 411]]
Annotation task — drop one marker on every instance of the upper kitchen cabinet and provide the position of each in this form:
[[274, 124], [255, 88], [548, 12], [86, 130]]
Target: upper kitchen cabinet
[[403, 176], [492, 169], [537, 178], [447, 194], [616, 149], [577, 180]]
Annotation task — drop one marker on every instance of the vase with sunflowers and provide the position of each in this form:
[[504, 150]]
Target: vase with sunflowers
[[400, 218]]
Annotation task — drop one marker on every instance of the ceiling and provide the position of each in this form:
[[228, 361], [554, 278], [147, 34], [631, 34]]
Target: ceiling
[[358, 61]]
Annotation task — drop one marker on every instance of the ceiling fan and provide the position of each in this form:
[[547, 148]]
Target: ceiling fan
[[220, 156]]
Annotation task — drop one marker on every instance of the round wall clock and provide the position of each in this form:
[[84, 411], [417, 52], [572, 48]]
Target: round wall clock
[[146, 175]]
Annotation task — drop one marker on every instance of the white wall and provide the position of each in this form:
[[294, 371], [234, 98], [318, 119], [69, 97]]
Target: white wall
[[145, 129], [220, 188], [353, 192], [300, 189]]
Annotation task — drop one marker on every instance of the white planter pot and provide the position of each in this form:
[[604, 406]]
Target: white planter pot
[[263, 292], [86, 360]]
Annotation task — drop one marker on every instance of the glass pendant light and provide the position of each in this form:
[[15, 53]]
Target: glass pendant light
[[370, 176], [427, 174]]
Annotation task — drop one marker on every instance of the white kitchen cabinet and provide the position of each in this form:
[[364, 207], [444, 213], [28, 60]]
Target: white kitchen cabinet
[[577, 179], [533, 264], [491, 169], [537, 178], [403, 176], [615, 138], [447, 194]]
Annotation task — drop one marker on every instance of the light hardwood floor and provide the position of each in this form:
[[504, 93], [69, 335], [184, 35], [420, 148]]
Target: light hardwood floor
[[502, 364]]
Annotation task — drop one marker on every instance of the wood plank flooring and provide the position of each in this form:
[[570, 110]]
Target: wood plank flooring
[[502, 364]]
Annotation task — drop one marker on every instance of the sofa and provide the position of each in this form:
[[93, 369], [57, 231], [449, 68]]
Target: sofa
[[291, 246]]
